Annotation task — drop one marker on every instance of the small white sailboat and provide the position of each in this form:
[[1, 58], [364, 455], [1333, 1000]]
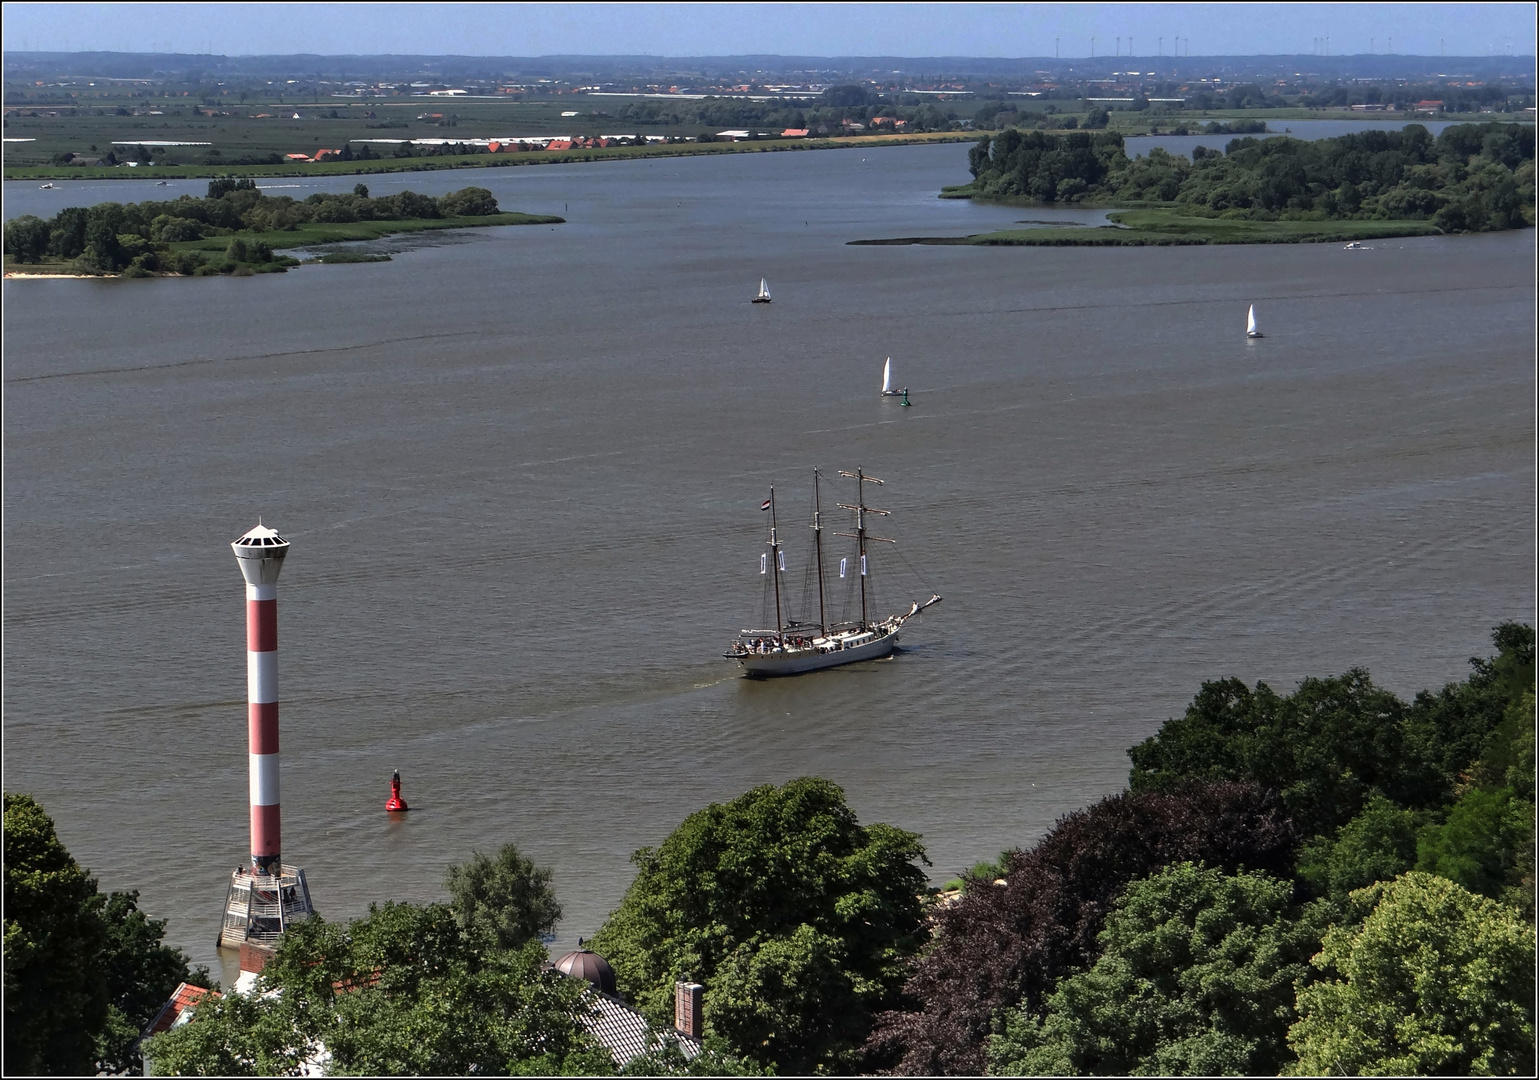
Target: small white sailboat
[[764, 295], [1250, 324], [887, 390]]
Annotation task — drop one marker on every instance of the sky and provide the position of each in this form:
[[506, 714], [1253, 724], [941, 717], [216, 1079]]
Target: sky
[[718, 29]]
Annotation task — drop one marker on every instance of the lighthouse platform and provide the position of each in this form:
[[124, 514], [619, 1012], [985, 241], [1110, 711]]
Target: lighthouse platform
[[260, 907]]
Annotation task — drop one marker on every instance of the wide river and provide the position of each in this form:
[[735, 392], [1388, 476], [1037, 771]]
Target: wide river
[[521, 470]]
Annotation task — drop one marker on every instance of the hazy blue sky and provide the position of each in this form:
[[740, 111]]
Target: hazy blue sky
[[787, 29]]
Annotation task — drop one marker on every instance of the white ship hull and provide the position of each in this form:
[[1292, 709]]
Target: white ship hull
[[795, 661]]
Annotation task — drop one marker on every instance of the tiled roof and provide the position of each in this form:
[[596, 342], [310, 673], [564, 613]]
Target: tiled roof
[[184, 997], [624, 1032]]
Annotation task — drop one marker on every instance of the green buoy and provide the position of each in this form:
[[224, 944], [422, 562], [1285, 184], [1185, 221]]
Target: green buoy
[[906, 401]]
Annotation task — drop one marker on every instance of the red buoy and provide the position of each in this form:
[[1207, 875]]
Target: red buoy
[[395, 803]]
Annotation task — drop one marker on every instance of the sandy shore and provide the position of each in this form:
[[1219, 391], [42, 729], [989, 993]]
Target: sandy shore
[[10, 274]]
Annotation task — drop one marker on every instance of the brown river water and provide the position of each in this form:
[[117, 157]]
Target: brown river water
[[521, 471]]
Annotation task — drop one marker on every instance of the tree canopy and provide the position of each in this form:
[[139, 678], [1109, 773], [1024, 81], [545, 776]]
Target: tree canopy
[[1472, 177], [1196, 977], [403, 991], [1434, 981], [504, 895], [795, 917], [83, 972], [1003, 947], [114, 236]]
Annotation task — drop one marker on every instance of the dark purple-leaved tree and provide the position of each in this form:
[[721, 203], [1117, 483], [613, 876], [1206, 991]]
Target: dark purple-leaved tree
[[1002, 946]]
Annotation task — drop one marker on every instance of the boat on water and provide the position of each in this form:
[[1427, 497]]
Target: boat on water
[[764, 295], [45, 187], [1250, 324], [887, 390], [1355, 245], [794, 647]]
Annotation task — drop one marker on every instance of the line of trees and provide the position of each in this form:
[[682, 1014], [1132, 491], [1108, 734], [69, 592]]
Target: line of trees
[[1472, 177], [138, 237]]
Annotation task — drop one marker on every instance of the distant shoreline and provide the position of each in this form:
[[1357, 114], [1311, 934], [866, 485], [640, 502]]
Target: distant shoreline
[[375, 166]]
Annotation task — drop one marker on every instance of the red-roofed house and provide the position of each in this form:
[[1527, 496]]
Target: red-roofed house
[[794, 133], [174, 1013], [559, 144], [319, 154]]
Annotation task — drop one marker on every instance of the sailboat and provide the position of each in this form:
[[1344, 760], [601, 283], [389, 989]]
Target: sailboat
[[1250, 324], [887, 390], [794, 647], [764, 296]]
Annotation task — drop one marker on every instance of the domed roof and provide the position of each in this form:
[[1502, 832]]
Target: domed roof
[[587, 964]]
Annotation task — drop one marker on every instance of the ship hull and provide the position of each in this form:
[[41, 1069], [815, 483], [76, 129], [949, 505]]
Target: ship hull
[[770, 665]]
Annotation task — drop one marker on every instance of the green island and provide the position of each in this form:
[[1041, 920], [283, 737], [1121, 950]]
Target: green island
[[235, 229], [1363, 186], [1327, 881]]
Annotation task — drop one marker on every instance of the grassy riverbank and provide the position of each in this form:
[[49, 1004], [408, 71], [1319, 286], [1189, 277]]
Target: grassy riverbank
[[470, 161], [309, 235], [1160, 227]]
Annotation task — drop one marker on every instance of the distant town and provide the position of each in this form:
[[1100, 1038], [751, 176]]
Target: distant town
[[400, 106]]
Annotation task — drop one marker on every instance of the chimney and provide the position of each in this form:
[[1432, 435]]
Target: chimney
[[688, 1016], [254, 957]]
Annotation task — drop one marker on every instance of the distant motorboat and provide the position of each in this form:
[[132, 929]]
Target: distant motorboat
[[1356, 245], [764, 296], [1250, 324], [45, 187], [161, 184], [887, 390]]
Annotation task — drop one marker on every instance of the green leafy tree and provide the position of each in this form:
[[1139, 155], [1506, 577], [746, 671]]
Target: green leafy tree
[[140, 971], [83, 972], [1377, 845], [504, 895], [1196, 978], [997, 949], [1481, 844], [26, 238], [55, 999], [796, 918], [1435, 981], [1324, 749], [468, 202], [404, 991]]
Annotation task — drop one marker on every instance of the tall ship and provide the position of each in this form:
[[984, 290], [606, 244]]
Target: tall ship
[[795, 646]]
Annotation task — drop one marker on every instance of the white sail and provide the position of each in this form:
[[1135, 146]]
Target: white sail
[[763, 289], [887, 375], [1250, 321]]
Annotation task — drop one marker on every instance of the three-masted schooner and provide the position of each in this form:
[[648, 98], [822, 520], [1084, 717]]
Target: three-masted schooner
[[794, 647]]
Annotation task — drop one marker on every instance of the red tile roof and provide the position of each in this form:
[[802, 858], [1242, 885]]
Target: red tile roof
[[184, 997]]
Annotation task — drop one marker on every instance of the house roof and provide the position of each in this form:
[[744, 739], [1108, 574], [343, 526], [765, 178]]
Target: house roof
[[184, 997], [624, 1032]]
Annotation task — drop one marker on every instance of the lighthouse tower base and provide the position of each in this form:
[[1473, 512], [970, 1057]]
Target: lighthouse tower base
[[260, 907]]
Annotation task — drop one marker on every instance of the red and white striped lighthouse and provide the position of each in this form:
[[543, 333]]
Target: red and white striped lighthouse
[[260, 554]]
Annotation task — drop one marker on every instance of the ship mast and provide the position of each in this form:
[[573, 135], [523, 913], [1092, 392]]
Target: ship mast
[[775, 566], [860, 534], [817, 535]]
